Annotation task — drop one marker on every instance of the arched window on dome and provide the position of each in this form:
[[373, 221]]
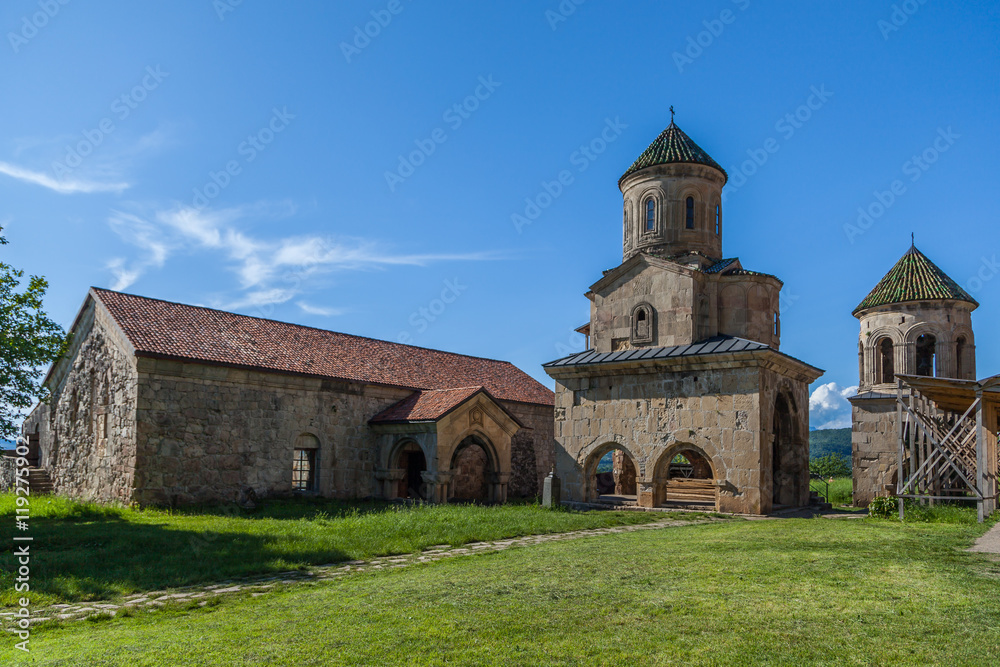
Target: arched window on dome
[[689, 216], [650, 215], [625, 234], [886, 367], [718, 219], [926, 355]]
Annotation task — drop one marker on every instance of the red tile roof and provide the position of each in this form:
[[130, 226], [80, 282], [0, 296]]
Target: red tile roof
[[426, 405], [172, 330]]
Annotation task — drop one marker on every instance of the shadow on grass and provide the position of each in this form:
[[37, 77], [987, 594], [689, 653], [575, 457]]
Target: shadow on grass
[[302, 507], [101, 559]]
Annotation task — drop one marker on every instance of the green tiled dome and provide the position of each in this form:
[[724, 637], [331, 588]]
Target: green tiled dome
[[914, 278], [671, 147]]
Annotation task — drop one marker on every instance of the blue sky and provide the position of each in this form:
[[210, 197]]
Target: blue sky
[[275, 160]]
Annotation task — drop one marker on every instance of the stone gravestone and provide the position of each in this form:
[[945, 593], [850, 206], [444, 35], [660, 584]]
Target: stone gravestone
[[552, 491]]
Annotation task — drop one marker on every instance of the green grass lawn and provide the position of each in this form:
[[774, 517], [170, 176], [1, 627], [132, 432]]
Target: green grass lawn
[[791, 592], [85, 551], [841, 490]]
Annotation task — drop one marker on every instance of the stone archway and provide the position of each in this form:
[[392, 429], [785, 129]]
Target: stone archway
[[411, 461], [619, 483], [685, 478], [786, 458], [473, 471]]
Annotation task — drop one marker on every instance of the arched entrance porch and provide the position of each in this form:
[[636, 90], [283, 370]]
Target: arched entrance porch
[[610, 475], [686, 479], [476, 473], [789, 468]]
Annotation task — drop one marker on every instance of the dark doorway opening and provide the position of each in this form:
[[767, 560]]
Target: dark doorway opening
[[411, 459]]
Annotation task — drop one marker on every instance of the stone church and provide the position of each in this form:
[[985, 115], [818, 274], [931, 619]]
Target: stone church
[[916, 321], [163, 403], [683, 378]]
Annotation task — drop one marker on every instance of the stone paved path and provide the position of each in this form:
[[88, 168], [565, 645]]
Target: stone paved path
[[990, 542], [199, 596]]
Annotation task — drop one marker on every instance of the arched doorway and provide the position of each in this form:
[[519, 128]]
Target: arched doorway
[[688, 479], [611, 475], [786, 461], [412, 461], [472, 469]]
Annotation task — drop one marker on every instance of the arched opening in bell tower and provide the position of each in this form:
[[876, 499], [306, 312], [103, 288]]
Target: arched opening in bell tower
[[886, 366], [926, 355]]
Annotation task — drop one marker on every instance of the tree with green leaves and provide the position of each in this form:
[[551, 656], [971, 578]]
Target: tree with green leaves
[[29, 341], [831, 465]]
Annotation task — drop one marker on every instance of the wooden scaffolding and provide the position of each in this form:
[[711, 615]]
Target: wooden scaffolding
[[948, 440]]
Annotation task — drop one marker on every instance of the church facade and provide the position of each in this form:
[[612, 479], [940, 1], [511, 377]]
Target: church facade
[[163, 403], [683, 378], [918, 322]]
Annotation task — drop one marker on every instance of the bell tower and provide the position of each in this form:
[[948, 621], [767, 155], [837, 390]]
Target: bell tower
[[917, 321], [673, 201]]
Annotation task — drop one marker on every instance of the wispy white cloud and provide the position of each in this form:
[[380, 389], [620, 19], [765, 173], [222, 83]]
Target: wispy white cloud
[[828, 406], [62, 186], [102, 169], [318, 310], [123, 276], [270, 271], [259, 298]]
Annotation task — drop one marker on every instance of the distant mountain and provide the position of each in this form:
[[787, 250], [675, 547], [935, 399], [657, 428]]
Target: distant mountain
[[830, 441]]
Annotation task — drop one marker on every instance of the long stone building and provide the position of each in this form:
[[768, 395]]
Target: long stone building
[[683, 377], [916, 321], [163, 403]]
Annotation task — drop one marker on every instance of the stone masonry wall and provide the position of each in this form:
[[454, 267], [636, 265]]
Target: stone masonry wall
[[652, 416], [207, 431], [87, 431], [8, 474], [874, 443], [532, 449]]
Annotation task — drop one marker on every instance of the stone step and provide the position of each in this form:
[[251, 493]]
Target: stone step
[[39, 481]]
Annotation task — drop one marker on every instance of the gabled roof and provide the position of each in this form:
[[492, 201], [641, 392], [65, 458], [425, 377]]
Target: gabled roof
[[634, 261], [164, 329], [432, 406], [671, 147], [425, 405], [914, 278]]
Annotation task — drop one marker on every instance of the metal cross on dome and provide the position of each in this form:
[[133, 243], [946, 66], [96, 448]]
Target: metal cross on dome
[[671, 113]]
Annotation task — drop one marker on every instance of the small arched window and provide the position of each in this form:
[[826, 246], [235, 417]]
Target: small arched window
[[689, 216], [625, 239], [926, 355], [718, 219], [642, 324], [650, 215], [777, 325], [886, 365]]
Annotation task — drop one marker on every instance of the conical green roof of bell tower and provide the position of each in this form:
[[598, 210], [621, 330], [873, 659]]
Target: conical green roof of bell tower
[[914, 278]]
